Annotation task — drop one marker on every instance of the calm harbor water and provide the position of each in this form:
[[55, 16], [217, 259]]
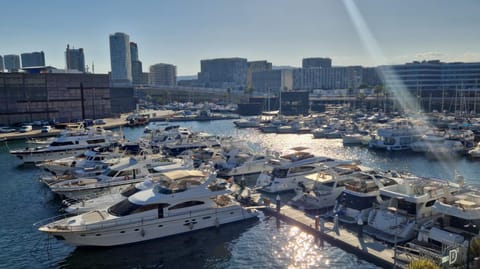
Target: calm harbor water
[[261, 243]]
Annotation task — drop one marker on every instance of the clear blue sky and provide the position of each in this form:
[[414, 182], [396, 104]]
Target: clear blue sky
[[182, 32]]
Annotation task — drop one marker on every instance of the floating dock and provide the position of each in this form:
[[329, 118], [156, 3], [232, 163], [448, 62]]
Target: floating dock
[[349, 240]]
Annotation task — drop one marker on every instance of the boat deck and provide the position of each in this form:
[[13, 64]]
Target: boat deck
[[349, 240]]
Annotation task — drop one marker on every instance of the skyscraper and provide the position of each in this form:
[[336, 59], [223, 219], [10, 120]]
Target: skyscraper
[[223, 73], [134, 51], [136, 64], [316, 63], [75, 59], [120, 60], [163, 74], [12, 62], [33, 59], [1, 64]]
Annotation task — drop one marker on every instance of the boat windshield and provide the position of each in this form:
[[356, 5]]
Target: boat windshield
[[278, 172], [123, 208], [110, 172], [130, 191]]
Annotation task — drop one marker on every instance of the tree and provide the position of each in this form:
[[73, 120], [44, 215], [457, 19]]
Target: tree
[[422, 264]]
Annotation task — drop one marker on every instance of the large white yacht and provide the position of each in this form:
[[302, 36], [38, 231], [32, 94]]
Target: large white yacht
[[405, 207], [457, 226], [194, 176], [245, 164], [118, 177], [323, 189], [291, 170], [89, 160], [69, 143], [150, 214], [399, 136], [361, 191], [434, 143]]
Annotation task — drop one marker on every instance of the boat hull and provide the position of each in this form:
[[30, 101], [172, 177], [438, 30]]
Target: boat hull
[[143, 230]]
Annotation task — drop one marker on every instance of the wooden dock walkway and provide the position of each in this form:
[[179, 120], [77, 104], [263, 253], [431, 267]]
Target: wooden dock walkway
[[362, 246]]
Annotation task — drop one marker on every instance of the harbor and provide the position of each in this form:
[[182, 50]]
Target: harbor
[[345, 237]]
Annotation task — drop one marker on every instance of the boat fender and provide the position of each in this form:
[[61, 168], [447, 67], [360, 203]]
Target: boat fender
[[126, 178], [142, 232], [217, 224]]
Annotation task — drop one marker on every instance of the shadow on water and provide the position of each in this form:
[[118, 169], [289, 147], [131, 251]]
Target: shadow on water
[[208, 248]]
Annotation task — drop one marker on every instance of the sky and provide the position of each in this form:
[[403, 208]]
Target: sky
[[182, 32]]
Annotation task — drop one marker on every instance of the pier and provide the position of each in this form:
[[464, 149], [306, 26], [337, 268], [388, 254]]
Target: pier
[[363, 246]]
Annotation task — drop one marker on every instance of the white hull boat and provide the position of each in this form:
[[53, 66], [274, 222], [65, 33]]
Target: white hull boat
[[151, 214]]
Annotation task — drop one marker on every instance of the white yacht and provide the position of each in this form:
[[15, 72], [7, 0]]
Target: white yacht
[[69, 143], [246, 164], [475, 152], [325, 188], [405, 207], [195, 141], [456, 228], [361, 191], [90, 159], [118, 177], [431, 143], [247, 123], [195, 177], [291, 170], [397, 137], [150, 214]]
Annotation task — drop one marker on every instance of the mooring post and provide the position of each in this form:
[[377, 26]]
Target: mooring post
[[322, 225], [278, 203], [335, 223], [317, 222]]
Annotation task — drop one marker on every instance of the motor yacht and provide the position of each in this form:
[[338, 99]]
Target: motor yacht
[[399, 136], [245, 164], [456, 228], [89, 160], [405, 207], [361, 191], [247, 123], [323, 188], [69, 143], [431, 143], [164, 210], [118, 177], [290, 170], [195, 177]]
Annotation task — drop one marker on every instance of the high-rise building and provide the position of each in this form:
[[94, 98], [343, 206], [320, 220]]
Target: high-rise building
[[1, 63], [340, 77], [133, 51], [120, 59], [256, 66], [272, 82], [316, 62], [223, 73], [12, 62], [33, 59], [136, 64], [163, 74], [75, 59], [370, 77], [431, 76]]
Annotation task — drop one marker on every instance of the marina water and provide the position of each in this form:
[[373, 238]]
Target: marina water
[[262, 243]]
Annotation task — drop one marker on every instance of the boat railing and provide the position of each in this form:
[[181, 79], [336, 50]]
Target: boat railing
[[51, 219], [105, 223]]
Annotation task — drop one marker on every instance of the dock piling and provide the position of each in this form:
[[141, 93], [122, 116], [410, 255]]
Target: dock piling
[[335, 224]]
